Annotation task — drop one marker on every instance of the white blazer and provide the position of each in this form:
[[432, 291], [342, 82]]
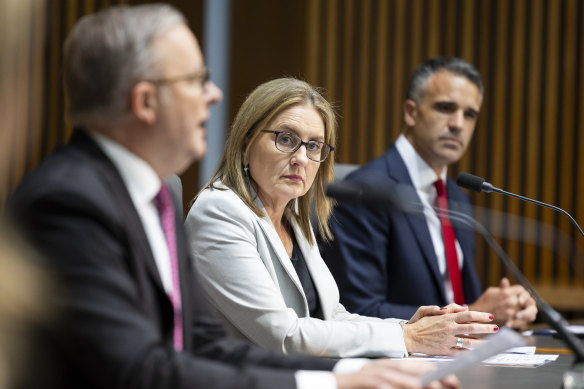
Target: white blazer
[[248, 276]]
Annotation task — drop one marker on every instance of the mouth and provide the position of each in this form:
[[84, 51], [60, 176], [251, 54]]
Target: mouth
[[294, 178], [452, 142]]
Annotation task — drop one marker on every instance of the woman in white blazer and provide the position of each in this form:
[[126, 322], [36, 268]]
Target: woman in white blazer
[[251, 238]]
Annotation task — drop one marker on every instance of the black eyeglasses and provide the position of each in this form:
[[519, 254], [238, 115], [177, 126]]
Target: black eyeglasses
[[288, 142], [202, 75]]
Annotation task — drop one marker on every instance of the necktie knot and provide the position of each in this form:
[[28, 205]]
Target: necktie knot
[[440, 188], [163, 201]]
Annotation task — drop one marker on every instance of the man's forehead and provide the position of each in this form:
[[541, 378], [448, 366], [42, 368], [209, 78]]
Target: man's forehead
[[179, 45], [450, 87]]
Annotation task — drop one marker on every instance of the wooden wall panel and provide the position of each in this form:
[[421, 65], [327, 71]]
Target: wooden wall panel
[[530, 53], [39, 100], [527, 140], [21, 87]]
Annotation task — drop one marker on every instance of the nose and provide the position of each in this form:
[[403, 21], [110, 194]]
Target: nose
[[456, 120], [213, 93], [299, 157]]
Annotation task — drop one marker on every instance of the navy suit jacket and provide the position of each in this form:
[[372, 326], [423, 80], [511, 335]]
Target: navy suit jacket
[[383, 259], [115, 328]]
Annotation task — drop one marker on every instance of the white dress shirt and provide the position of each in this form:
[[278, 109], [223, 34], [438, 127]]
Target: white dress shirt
[[423, 178]]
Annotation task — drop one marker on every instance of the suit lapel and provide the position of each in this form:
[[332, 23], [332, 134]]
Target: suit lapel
[[278, 248], [136, 236], [397, 171]]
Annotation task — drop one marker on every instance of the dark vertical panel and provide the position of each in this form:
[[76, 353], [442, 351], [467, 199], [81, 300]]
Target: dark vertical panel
[[353, 73], [532, 138], [516, 150], [549, 135], [399, 68], [362, 98], [497, 100], [312, 45], [379, 83], [564, 166], [577, 187], [323, 42], [330, 50]]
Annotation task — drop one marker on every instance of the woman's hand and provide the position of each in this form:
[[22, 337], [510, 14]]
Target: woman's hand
[[446, 331]]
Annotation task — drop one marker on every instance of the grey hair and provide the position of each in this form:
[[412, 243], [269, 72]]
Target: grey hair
[[107, 53], [425, 70]]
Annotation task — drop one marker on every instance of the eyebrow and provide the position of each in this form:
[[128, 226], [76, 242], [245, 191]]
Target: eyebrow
[[288, 128], [453, 104]]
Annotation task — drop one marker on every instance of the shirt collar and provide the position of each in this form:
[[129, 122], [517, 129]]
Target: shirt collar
[[421, 174], [141, 180]]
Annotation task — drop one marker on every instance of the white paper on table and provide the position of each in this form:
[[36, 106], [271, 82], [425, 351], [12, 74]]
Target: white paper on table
[[496, 344], [520, 360]]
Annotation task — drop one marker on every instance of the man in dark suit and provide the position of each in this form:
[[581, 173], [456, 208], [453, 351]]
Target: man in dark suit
[[388, 262], [98, 210]]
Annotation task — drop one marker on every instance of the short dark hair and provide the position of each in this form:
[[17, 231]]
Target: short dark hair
[[425, 70]]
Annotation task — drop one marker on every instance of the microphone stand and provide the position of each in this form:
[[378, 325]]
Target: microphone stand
[[478, 184], [497, 190], [552, 317]]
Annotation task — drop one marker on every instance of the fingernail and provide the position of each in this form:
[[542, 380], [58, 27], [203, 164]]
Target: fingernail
[[465, 305], [495, 329], [442, 308], [491, 317]]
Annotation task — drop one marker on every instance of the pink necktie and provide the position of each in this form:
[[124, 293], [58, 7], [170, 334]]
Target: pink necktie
[[449, 244], [166, 211]]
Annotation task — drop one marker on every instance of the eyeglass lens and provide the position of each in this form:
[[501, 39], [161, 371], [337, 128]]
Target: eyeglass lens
[[289, 143]]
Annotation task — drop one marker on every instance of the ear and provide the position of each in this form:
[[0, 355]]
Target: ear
[[410, 112], [144, 102]]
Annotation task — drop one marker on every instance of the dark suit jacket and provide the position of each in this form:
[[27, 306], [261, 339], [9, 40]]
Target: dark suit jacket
[[116, 324], [383, 259]]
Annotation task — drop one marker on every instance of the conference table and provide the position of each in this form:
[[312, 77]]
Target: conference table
[[546, 376]]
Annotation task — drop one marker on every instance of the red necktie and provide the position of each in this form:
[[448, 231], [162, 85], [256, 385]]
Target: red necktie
[[166, 211], [449, 244]]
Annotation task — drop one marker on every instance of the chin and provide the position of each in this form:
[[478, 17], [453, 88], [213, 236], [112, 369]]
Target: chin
[[199, 148]]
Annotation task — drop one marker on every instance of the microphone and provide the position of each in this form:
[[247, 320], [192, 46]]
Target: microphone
[[396, 196], [478, 184], [401, 198]]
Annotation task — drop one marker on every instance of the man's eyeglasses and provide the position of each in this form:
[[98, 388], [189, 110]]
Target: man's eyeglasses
[[203, 75], [287, 142]]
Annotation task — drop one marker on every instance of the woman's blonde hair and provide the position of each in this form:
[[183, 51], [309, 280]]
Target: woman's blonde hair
[[261, 106]]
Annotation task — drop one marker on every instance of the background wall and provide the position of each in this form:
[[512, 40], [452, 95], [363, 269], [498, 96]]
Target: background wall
[[362, 52]]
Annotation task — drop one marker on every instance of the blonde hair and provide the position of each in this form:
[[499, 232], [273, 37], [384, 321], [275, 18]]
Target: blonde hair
[[261, 106]]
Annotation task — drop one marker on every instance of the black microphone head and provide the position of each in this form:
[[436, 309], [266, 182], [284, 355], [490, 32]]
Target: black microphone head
[[345, 191], [376, 194], [470, 181]]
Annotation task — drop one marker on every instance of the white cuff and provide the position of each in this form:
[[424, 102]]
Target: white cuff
[[310, 379], [349, 365]]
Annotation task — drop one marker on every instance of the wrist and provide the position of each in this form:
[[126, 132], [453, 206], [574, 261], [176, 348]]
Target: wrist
[[406, 334]]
